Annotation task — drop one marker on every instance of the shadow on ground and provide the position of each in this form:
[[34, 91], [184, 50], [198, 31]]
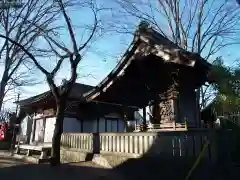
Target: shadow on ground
[[76, 171], [172, 169], [134, 169], [144, 168]]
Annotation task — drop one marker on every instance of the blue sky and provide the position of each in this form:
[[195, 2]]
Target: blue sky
[[101, 58]]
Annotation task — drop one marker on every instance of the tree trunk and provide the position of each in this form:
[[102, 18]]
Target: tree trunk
[[1, 99], [2, 91], [56, 140]]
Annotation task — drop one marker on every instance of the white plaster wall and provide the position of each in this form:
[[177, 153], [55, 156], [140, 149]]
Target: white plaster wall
[[71, 125], [23, 126], [39, 130], [49, 129]]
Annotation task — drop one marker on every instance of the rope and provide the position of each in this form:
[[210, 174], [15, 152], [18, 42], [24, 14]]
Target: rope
[[197, 160]]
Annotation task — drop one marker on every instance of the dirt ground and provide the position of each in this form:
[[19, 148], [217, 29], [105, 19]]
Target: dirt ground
[[11, 168], [6, 161]]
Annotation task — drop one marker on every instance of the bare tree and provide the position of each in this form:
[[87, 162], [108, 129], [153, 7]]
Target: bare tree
[[200, 26], [19, 24], [72, 55], [4, 115]]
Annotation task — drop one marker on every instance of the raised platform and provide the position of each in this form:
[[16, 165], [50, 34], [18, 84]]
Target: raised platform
[[37, 147], [43, 148], [31, 159]]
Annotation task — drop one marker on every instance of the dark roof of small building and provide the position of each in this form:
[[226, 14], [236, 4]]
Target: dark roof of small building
[[77, 93]]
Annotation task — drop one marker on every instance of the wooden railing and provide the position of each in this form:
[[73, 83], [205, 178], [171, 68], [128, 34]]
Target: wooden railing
[[83, 141], [176, 143], [164, 127], [133, 143]]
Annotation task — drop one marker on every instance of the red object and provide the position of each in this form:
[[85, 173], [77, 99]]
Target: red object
[[3, 131]]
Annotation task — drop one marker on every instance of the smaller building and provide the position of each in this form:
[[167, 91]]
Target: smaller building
[[38, 119]]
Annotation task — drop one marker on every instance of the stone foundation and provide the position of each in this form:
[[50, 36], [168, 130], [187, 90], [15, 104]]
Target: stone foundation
[[107, 160], [71, 155]]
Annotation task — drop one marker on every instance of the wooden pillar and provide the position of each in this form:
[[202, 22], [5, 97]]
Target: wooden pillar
[[197, 109], [150, 105], [105, 124], [124, 114], [175, 109], [81, 125], [97, 124], [156, 112], [98, 112], [33, 131], [117, 125], [144, 116], [144, 119], [44, 128]]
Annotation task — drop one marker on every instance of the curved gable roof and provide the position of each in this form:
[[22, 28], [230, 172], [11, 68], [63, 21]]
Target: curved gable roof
[[147, 41]]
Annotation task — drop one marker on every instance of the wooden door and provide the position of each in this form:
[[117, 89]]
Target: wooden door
[[39, 131], [112, 125], [49, 129]]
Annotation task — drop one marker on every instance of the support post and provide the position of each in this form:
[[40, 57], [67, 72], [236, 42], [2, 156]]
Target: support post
[[144, 119], [18, 149], [29, 152], [174, 125], [105, 120], [81, 125], [125, 118], [43, 154], [98, 124], [33, 131]]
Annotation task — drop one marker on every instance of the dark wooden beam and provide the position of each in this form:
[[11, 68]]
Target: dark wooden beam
[[81, 125], [144, 116], [105, 124], [97, 124], [117, 125]]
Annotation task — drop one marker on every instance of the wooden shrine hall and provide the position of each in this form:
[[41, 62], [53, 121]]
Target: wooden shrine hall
[[157, 73]]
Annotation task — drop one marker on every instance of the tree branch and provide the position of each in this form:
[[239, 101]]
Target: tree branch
[[92, 33], [70, 29], [28, 53]]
